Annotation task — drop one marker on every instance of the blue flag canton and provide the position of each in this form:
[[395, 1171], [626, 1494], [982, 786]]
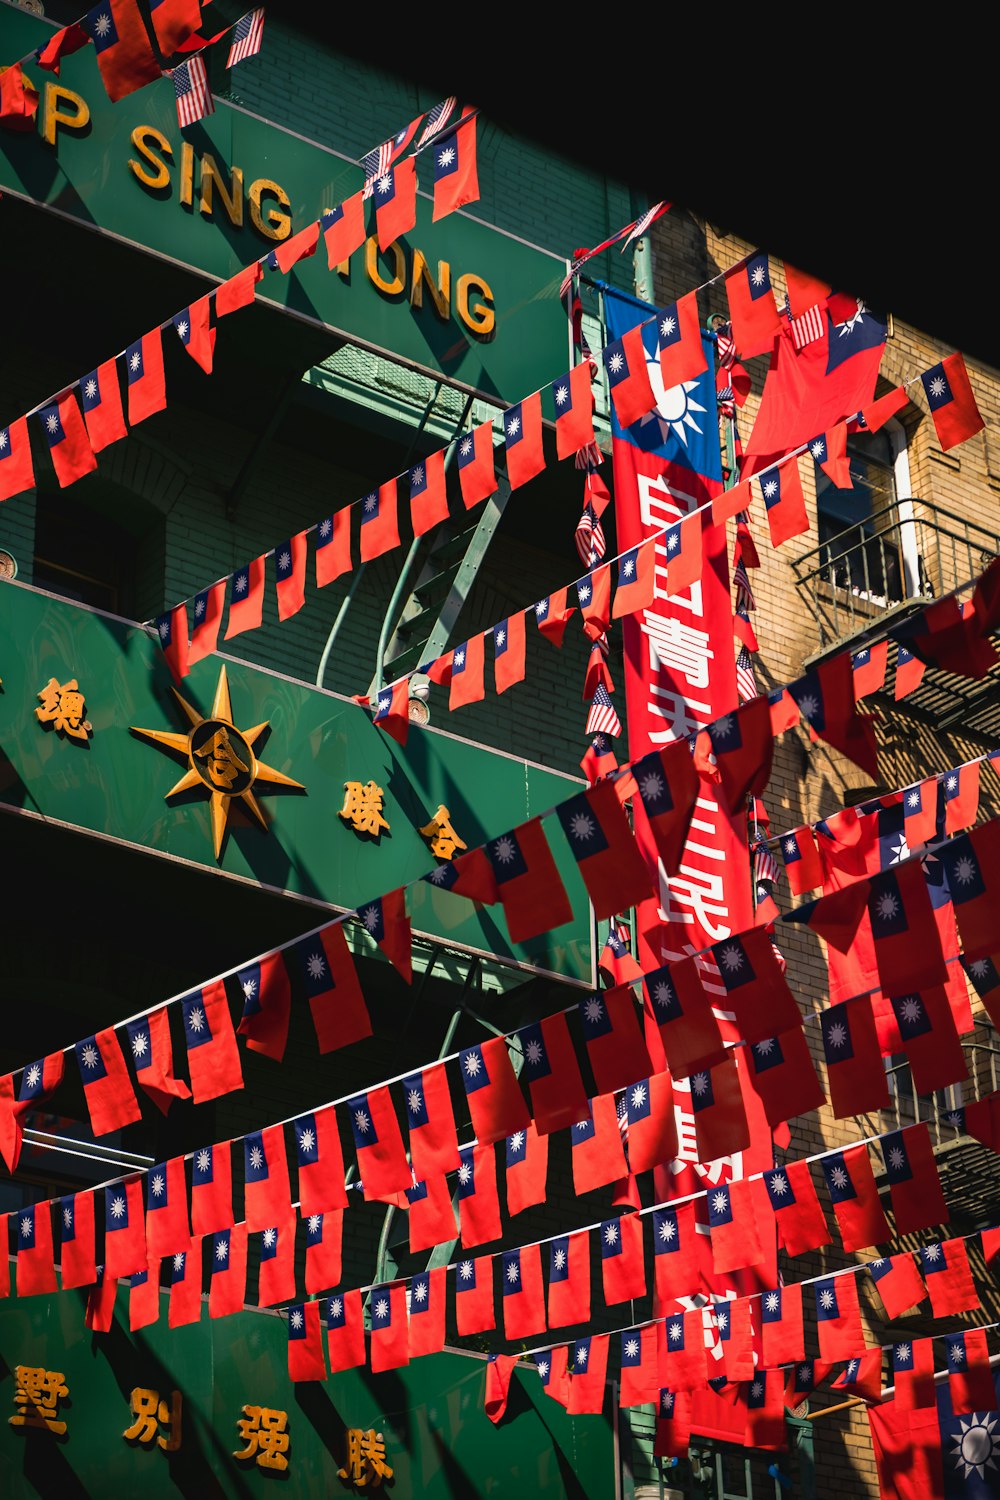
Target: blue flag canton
[[99, 24], [416, 1101], [543, 1364], [734, 964], [616, 362], [983, 974], [885, 906], [663, 997], [666, 1232], [827, 1305], [313, 966], [562, 395], [957, 1356], [896, 1157], [881, 1267], [839, 1182], [770, 488], [771, 1306], [513, 424], [758, 275], [446, 158], [297, 1321], [511, 1272], [248, 980], [584, 589], [583, 1130], [269, 1243], [203, 1166], [475, 1074], [667, 1402], [416, 1194], [201, 607], [336, 1312], [902, 1358], [937, 387], [720, 1207], [628, 567], [864, 329], [459, 659], [284, 562], [536, 1057], [197, 1030], [675, 1334], [962, 870], [256, 1167], [933, 1258], [766, 1054], [178, 1267], [373, 919], [581, 827], [331, 216], [67, 1220], [757, 1391], [138, 1278], [115, 1207], [465, 1276], [241, 585], [314, 1230], [669, 327], [362, 1123], [612, 1239], [89, 1060], [420, 1293], [466, 1172], [52, 425], [638, 1101], [501, 637], [516, 1148], [725, 734], [559, 1259], [385, 188], [90, 391], [26, 1227], [835, 1026], [779, 1189], [631, 1348], [702, 1091], [911, 1016], [595, 1018], [141, 1043], [157, 1188], [135, 367], [807, 693], [818, 448], [182, 320], [580, 1355], [220, 1251]]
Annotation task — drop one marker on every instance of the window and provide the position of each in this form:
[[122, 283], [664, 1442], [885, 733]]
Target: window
[[859, 528]]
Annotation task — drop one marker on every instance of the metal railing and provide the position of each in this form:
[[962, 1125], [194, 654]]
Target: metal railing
[[906, 1106], [908, 554]]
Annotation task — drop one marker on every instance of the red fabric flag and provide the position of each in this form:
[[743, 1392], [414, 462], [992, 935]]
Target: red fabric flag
[[428, 1291], [719, 1118], [667, 783], [825, 699], [912, 1174], [741, 748], [752, 309], [868, 666], [615, 963], [432, 1217], [172, 632], [474, 1296], [144, 1297], [428, 495], [680, 1005], [972, 869], [387, 924], [802, 862], [239, 291], [636, 580], [961, 797], [10, 1125], [124, 1228], [77, 1259], [267, 1004], [734, 1337], [783, 1076], [33, 1232], [379, 529], [970, 1379], [682, 353], [569, 1279], [682, 1351], [685, 552], [344, 229], [597, 1150], [16, 471], [305, 1342], [532, 893], [392, 710], [945, 1265], [856, 1206], [213, 1056], [522, 1295], [672, 1438], [323, 1250], [552, 615], [952, 404], [855, 1075], [378, 1144], [320, 1162], [640, 1366], [606, 853], [907, 946], [784, 502], [196, 334], [107, 1087], [527, 1159], [952, 638], [19, 97], [147, 391], [168, 1228], [100, 397], [522, 429], [804, 291], [121, 46], [333, 547], [875, 416], [298, 247], [765, 1424], [227, 1275], [478, 1199], [324, 965], [732, 1220], [211, 1189], [508, 651], [207, 619], [615, 1046], [395, 194], [246, 600], [346, 1331], [628, 377], [100, 1314], [474, 457], [623, 1266], [593, 593], [499, 1368], [455, 178], [898, 1282], [929, 1039], [69, 445], [862, 1376], [652, 1128], [838, 1317], [290, 575], [920, 812], [431, 1122], [185, 1286], [913, 1374], [552, 1074], [756, 989], [495, 1100], [467, 661], [173, 21], [781, 1325], [676, 1263], [588, 1375], [830, 453], [61, 44], [276, 1279], [803, 1380], [573, 398], [267, 1193], [798, 1216]]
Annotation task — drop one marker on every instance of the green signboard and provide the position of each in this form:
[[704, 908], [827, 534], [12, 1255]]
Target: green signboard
[[458, 298], [427, 1420], [305, 746]]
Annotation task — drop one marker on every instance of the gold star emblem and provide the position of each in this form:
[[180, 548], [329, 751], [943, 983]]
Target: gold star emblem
[[219, 758]]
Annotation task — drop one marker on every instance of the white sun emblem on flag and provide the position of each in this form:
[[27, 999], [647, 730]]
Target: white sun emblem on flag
[[306, 1141], [616, 363], [911, 1010], [699, 1083], [580, 1355], [465, 1173], [25, 1228], [897, 1158], [673, 539], [295, 1318], [370, 918], [839, 1177], [361, 1121], [157, 1185], [720, 1203], [932, 1253], [199, 608], [420, 1292], [638, 1096], [667, 1400], [103, 24], [512, 1272], [465, 1270], [513, 426], [956, 1354], [285, 561], [667, 1230], [256, 1158], [270, 1235], [561, 395], [336, 1307], [722, 1320], [581, 827], [52, 422], [975, 1449], [980, 968], [90, 1056], [222, 1250], [503, 850], [135, 361], [964, 870], [315, 966], [249, 988], [541, 609], [314, 1223], [779, 1184], [559, 1260], [628, 567], [678, 411], [583, 593], [465, 447], [593, 1010], [534, 1052], [68, 1217], [473, 1063], [517, 1140], [196, 1019], [836, 1034], [901, 1353], [826, 1299], [631, 1348], [818, 449], [240, 586], [611, 1234], [203, 1161], [446, 157], [89, 390], [772, 1302], [938, 385], [732, 959], [808, 706], [887, 906], [384, 183], [439, 875], [759, 274], [770, 488], [117, 1207], [499, 637], [543, 1368], [182, 328], [675, 1331], [414, 1101], [667, 327], [32, 1076], [179, 1261]]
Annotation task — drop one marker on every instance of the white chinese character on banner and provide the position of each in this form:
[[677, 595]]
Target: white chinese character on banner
[[678, 712], [678, 647], [694, 895]]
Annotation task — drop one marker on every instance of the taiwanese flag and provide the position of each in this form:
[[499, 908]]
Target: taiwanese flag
[[765, 1408], [213, 1056], [69, 445], [387, 924], [168, 1228], [912, 1174], [913, 1374], [428, 496], [267, 1004], [597, 830], [676, 1264], [907, 946], [35, 1269], [523, 1297], [970, 1380], [683, 1360], [101, 400], [720, 1121], [756, 990], [682, 353], [121, 46], [802, 862], [16, 470], [574, 403], [478, 1200], [972, 866], [961, 797], [526, 1163], [825, 699], [290, 575], [185, 1286], [100, 1314], [684, 546], [77, 1261], [531, 891], [781, 1325], [246, 599], [552, 1074], [798, 1216], [862, 1376], [10, 1127], [344, 229], [432, 1217], [588, 1374], [522, 430], [428, 1294], [552, 614], [985, 979], [597, 1151], [144, 1298], [733, 1224], [431, 1122], [551, 1366], [305, 1343], [345, 1337], [668, 785], [569, 1279], [496, 1104], [929, 1039], [680, 1005], [855, 1075], [803, 1380], [267, 1196], [320, 1162], [783, 1076], [333, 546], [392, 710], [652, 1129], [673, 1424], [378, 1144], [468, 875], [953, 406], [952, 638], [227, 1274], [945, 1266], [61, 44], [474, 1296], [456, 181], [735, 1341], [211, 1189], [899, 1284], [207, 619], [395, 194], [635, 584], [615, 963], [379, 530], [640, 1378], [856, 1206], [467, 662], [173, 21], [323, 1250], [838, 1317], [276, 1273], [474, 456], [920, 812], [593, 593], [804, 291], [618, 1055], [752, 309], [147, 392], [239, 291], [628, 378], [107, 1087], [829, 451], [784, 502], [195, 334], [124, 1228], [172, 632], [742, 745], [299, 247], [868, 666], [508, 651], [623, 1266], [336, 1002]]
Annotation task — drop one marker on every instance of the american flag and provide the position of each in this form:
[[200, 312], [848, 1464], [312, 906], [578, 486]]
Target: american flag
[[248, 33], [191, 91], [746, 681], [589, 537], [807, 328], [376, 164], [621, 1110], [436, 119], [643, 222], [765, 866], [601, 716], [741, 581]]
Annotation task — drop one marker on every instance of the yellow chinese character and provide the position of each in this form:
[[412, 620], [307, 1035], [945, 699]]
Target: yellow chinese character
[[443, 840], [37, 1393], [265, 1433], [223, 765], [149, 1410], [362, 808], [365, 1458], [63, 707]]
